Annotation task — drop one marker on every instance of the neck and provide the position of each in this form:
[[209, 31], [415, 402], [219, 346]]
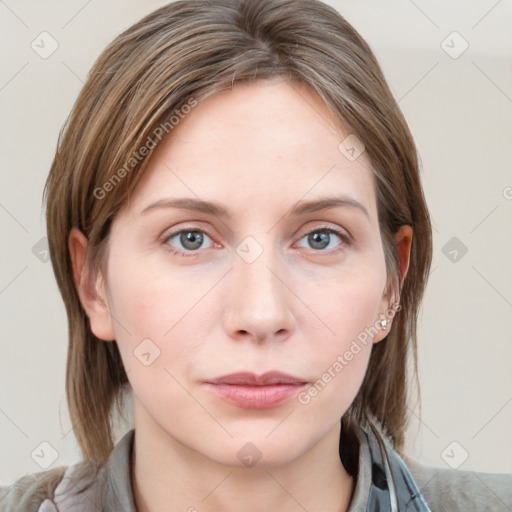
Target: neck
[[168, 476]]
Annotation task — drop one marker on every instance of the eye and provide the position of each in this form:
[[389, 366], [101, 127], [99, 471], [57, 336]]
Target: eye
[[189, 240], [321, 238]]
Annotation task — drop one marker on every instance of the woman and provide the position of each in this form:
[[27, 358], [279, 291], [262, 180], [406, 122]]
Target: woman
[[238, 229]]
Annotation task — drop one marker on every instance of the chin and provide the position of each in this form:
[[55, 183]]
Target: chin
[[257, 450]]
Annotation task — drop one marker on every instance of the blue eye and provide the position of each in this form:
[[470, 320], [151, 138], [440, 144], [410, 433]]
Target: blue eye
[[321, 238], [190, 239]]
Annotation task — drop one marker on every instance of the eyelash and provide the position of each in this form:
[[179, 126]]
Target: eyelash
[[346, 240]]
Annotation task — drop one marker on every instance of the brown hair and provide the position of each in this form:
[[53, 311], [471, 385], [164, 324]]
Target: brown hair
[[185, 51]]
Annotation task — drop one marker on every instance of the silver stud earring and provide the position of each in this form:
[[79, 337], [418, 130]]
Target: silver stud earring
[[384, 323]]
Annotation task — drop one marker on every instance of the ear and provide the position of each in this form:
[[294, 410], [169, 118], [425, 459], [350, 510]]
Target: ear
[[403, 247], [90, 288], [403, 242]]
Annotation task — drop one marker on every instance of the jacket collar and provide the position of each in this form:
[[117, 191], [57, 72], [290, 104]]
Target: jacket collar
[[117, 492], [392, 486]]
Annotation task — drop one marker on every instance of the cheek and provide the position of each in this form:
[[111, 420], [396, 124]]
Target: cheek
[[138, 304], [155, 340], [349, 308], [159, 313], [350, 302], [146, 296]]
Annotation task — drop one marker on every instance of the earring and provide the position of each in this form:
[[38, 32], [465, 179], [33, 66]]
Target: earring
[[383, 323]]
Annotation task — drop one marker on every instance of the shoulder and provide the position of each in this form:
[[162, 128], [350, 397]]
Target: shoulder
[[462, 490], [29, 491], [53, 490]]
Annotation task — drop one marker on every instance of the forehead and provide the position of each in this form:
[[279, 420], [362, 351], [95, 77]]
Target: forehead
[[267, 143]]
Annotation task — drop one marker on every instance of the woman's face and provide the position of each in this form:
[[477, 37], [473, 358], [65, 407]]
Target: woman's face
[[272, 283]]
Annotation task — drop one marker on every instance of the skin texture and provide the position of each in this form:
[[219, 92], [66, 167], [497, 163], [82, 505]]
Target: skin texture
[[258, 150]]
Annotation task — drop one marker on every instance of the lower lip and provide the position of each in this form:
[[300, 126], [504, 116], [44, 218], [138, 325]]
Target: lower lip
[[256, 397]]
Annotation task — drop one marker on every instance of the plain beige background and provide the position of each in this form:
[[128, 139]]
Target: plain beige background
[[455, 90]]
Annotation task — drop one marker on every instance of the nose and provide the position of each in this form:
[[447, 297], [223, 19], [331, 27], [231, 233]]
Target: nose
[[260, 301]]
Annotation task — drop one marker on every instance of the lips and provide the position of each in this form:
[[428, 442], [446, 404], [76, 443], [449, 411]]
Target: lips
[[250, 391], [251, 379]]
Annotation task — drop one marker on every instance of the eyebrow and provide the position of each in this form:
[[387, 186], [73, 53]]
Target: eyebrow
[[218, 210]]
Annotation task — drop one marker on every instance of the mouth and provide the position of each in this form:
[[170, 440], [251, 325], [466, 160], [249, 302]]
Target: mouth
[[250, 391]]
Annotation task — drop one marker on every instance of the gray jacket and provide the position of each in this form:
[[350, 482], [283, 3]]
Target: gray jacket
[[384, 483]]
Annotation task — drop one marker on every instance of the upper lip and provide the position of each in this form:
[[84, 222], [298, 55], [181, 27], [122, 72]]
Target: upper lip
[[249, 378]]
